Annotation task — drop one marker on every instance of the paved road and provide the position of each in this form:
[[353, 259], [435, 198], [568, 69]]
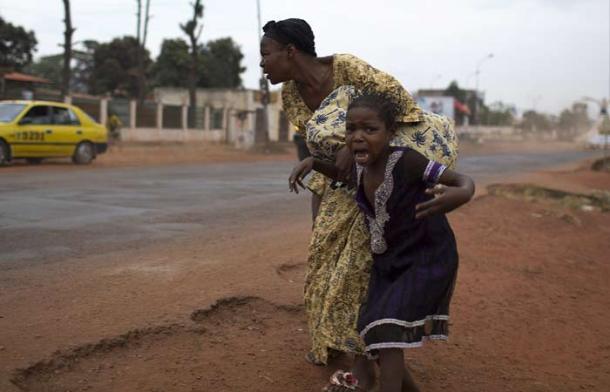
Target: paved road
[[48, 216]]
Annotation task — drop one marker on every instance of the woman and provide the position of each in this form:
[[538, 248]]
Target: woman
[[339, 257]]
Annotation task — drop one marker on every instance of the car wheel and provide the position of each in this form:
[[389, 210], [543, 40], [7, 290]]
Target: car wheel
[[83, 154], [4, 154], [34, 161]]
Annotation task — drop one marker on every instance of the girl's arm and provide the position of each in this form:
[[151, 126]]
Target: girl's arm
[[303, 168], [452, 190]]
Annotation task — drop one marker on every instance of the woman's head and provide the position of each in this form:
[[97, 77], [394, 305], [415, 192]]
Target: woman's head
[[281, 43], [370, 126]]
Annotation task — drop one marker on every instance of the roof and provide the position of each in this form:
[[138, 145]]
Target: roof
[[21, 77], [35, 102]]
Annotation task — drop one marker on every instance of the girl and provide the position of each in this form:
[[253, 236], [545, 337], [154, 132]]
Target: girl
[[414, 250], [339, 259]]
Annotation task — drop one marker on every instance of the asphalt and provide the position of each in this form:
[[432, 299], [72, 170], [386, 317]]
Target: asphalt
[[49, 216]]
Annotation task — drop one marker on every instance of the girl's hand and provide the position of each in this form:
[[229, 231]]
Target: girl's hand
[[446, 198], [344, 162], [298, 173]]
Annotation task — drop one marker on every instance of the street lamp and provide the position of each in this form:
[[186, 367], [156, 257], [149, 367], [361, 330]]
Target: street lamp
[[477, 71]]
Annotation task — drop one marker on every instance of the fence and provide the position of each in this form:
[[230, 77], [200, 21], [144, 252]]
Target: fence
[[150, 120]]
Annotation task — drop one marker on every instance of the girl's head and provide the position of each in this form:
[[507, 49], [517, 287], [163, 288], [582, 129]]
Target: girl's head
[[370, 126], [281, 43]]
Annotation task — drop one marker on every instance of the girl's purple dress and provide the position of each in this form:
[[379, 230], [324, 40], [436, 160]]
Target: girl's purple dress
[[415, 260]]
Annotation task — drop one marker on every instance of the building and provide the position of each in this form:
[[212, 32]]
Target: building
[[17, 85], [437, 101]]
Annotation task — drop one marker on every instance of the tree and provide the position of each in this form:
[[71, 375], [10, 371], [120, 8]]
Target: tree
[[48, 67], [115, 67], [572, 122], [141, 39], [222, 63], [497, 114], [65, 82], [16, 46], [535, 122], [173, 62], [218, 64], [83, 66], [453, 90], [51, 67], [193, 30]]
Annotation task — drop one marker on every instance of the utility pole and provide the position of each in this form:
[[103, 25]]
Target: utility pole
[[66, 73], [261, 135], [141, 38], [193, 30], [476, 89]]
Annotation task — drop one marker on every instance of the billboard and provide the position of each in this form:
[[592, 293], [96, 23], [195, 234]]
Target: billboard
[[439, 105]]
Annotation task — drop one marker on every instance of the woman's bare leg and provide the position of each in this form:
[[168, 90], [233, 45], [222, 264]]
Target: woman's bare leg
[[315, 206]]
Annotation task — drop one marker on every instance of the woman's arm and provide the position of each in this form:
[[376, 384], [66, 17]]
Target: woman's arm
[[453, 190]]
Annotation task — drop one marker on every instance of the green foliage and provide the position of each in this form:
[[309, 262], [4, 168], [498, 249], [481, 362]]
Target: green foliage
[[535, 122], [456, 92], [219, 64], [190, 26], [48, 67], [460, 95], [83, 66], [497, 114], [115, 67], [222, 63], [572, 122], [173, 64], [16, 46]]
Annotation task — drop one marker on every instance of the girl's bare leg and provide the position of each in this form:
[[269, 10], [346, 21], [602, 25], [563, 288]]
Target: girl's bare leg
[[394, 375], [392, 368], [408, 384], [364, 371]]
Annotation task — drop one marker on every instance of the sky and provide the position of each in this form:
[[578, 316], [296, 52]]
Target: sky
[[546, 54]]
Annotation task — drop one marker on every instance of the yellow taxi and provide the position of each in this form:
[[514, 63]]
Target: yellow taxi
[[35, 130]]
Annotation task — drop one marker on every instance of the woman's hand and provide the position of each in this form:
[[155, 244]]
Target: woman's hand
[[299, 172], [344, 162], [446, 199]]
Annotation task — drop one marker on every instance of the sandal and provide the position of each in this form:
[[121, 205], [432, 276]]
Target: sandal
[[342, 381]]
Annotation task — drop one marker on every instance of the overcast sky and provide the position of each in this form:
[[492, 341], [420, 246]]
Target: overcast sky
[[546, 53]]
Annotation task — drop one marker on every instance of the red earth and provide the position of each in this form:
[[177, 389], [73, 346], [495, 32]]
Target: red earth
[[225, 313]]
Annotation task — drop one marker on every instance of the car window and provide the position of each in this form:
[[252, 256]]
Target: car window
[[64, 116], [8, 111], [38, 115]]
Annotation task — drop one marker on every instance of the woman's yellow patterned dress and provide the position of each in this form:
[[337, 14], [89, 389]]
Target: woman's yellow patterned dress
[[339, 255]]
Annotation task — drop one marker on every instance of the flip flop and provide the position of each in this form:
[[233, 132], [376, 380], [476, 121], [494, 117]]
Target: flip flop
[[342, 381]]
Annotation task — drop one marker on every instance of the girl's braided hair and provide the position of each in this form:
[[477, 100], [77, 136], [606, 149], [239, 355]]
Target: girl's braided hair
[[383, 104]]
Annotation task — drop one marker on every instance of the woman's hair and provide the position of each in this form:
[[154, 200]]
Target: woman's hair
[[384, 105], [292, 31]]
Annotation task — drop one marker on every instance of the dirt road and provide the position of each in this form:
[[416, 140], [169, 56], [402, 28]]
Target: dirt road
[[211, 301]]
